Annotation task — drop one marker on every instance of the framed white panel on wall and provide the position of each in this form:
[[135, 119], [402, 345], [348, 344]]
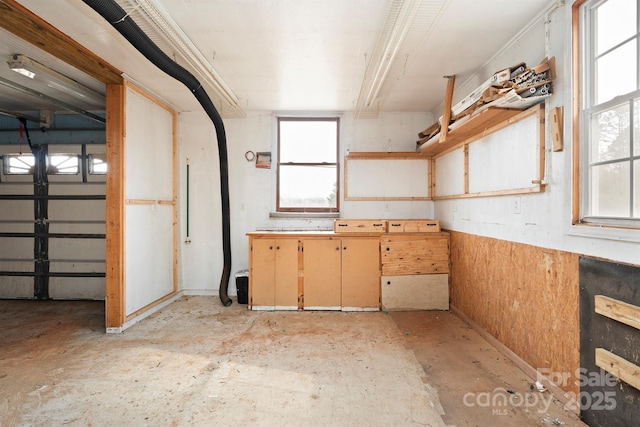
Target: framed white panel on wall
[[150, 254], [149, 149], [506, 159], [449, 173], [386, 176]]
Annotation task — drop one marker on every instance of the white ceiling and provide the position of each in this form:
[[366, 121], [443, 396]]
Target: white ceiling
[[292, 55]]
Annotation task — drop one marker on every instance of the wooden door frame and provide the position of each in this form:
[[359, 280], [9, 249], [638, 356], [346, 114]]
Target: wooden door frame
[[24, 24]]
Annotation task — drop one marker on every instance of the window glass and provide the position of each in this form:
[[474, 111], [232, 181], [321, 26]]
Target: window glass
[[97, 164], [611, 134], [307, 186], [610, 190], [308, 141], [615, 76], [19, 164], [63, 164], [307, 164], [623, 13]]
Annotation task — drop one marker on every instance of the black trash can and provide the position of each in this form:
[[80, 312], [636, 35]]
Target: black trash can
[[242, 286]]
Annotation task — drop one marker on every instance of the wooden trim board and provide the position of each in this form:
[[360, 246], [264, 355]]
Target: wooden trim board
[[623, 312], [618, 366], [115, 207]]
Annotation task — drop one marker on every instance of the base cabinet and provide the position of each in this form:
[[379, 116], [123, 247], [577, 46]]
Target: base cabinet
[[415, 272], [273, 283], [330, 271], [341, 274]]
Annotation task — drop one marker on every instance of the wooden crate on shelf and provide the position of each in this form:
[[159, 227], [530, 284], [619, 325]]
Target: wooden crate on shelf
[[360, 226], [413, 226]]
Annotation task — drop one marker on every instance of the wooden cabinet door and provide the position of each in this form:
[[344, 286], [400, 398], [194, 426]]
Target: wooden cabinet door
[[322, 272], [262, 274], [360, 274], [286, 274]]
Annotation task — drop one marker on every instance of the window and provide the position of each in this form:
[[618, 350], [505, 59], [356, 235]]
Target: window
[[19, 164], [609, 145], [97, 164], [308, 165], [58, 164], [63, 164]]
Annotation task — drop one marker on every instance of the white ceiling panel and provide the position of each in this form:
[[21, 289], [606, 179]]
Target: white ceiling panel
[[287, 55]]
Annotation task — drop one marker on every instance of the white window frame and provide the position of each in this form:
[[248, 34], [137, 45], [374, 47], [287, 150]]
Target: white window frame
[[586, 108]]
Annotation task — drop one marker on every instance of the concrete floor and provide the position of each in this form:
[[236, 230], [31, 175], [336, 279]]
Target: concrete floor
[[198, 363]]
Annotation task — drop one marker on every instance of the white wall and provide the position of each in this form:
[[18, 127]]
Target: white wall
[[252, 190], [542, 219], [149, 181]]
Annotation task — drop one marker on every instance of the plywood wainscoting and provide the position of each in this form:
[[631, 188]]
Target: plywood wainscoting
[[524, 296]]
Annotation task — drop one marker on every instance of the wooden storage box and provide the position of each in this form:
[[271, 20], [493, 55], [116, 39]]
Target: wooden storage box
[[360, 226], [414, 226]]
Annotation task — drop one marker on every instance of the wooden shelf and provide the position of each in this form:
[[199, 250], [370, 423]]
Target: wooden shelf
[[483, 123], [387, 155]]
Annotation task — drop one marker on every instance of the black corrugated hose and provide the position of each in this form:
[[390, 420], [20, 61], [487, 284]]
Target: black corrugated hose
[[117, 17]]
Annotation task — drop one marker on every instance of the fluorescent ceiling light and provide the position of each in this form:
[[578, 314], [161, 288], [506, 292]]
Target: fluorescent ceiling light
[[156, 21], [32, 69], [407, 25]]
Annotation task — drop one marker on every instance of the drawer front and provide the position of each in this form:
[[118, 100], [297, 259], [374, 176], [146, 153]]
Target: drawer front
[[360, 226], [420, 292], [419, 255], [414, 226]]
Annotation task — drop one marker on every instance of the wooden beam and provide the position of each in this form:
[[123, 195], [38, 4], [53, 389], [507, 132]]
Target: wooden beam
[[465, 148], [28, 26], [618, 310], [575, 111], [538, 188], [618, 366], [115, 135], [387, 155], [446, 114]]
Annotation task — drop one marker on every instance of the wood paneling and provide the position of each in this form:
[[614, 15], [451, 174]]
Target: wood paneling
[[628, 314], [525, 296], [618, 366]]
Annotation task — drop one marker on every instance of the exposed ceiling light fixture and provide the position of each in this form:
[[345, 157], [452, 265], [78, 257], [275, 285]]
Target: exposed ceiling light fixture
[[55, 80], [402, 17], [398, 22], [155, 16], [43, 97], [406, 27]]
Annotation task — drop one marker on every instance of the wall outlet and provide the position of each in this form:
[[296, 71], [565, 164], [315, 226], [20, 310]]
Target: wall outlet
[[517, 205], [387, 207]]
